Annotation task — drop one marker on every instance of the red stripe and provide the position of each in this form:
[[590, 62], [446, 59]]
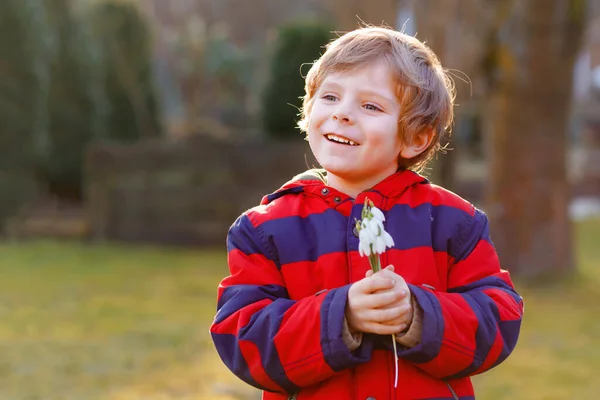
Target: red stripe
[[239, 319], [458, 343], [302, 363], [305, 278], [481, 263], [292, 206], [251, 354], [508, 309], [306, 204], [253, 269]]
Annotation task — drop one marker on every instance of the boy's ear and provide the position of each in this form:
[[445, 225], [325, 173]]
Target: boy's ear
[[420, 143]]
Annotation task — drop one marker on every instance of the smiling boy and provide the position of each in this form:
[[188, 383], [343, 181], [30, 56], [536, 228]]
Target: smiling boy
[[300, 316]]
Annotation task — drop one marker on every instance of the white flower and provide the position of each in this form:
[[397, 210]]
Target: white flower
[[387, 239], [379, 245], [364, 248], [377, 214], [366, 236], [376, 227], [373, 239]]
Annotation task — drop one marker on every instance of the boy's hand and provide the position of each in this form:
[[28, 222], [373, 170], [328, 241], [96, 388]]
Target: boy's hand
[[377, 304], [399, 285]]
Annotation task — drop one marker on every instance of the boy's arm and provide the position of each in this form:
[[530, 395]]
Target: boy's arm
[[475, 325], [269, 341]]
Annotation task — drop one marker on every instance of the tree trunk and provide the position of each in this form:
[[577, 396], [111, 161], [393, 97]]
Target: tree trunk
[[456, 32], [528, 191]]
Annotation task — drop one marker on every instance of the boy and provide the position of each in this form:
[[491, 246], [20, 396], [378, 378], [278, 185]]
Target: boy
[[300, 315]]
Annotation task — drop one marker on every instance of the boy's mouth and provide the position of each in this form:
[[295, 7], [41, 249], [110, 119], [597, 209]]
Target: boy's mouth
[[340, 139]]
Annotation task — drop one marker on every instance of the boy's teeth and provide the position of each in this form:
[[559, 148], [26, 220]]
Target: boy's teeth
[[341, 140]]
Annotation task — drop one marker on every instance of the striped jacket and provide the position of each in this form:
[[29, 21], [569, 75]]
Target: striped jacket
[[292, 259]]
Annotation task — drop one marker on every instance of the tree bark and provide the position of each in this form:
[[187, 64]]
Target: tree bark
[[529, 193]]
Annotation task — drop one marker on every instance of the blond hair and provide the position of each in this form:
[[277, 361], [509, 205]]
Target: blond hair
[[425, 91]]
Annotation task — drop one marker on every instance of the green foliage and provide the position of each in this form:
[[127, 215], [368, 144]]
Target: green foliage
[[24, 93], [69, 75], [76, 106], [297, 44], [126, 45]]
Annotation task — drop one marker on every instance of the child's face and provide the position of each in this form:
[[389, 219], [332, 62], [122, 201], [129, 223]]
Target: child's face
[[360, 108]]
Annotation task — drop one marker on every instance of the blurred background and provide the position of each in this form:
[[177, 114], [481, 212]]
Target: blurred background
[[133, 133]]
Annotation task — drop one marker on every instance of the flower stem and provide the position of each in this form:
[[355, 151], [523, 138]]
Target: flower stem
[[395, 361]]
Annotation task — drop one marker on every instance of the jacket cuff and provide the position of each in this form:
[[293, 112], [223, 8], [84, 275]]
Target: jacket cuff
[[412, 336], [351, 340], [335, 351]]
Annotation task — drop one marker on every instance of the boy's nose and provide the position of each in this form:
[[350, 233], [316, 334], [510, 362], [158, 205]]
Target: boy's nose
[[341, 116]]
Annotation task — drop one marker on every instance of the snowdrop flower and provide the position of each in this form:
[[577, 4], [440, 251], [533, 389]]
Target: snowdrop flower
[[373, 239], [372, 242]]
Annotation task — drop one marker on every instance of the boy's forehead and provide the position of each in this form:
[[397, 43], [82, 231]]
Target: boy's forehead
[[376, 73]]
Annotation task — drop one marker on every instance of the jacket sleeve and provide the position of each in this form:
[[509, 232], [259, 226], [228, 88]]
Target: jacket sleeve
[[474, 326], [268, 340]]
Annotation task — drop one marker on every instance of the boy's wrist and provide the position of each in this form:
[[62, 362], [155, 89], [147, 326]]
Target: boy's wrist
[[411, 336], [352, 338]]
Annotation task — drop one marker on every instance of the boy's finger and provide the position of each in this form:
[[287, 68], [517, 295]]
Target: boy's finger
[[375, 284], [369, 273], [382, 329], [388, 273], [384, 299], [389, 315]]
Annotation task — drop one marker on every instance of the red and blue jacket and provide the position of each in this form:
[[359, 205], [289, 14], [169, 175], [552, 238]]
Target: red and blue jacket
[[292, 259]]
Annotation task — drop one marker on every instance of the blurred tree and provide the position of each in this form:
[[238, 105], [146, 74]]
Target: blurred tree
[[297, 44], [534, 51], [455, 33], [350, 13], [24, 91], [75, 107], [54, 81], [126, 46]]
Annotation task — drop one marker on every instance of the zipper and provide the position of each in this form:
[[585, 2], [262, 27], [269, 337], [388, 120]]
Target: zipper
[[454, 395]]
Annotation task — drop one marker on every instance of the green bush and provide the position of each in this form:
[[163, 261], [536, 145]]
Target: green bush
[[297, 44], [24, 95], [126, 48], [73, 73]]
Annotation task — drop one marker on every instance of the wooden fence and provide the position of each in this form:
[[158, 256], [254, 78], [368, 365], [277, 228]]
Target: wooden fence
[[183, 192]]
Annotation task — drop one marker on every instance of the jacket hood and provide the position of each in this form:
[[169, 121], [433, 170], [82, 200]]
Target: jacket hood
[[315, 181]]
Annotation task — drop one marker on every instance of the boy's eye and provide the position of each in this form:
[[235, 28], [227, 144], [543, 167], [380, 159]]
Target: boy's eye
[[329, 97], [372, 107]]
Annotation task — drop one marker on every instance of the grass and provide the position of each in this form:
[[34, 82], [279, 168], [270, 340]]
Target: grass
[[122, 323]]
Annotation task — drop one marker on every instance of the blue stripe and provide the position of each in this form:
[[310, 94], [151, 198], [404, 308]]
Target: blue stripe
[[229, 351], [470, 234], [335, 351], [249, 240], [278, 194], [425, 226], [306, 239], [433, 328], [261, 330], [490, 282], [486, 312], [234, 298], [510, 335]]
